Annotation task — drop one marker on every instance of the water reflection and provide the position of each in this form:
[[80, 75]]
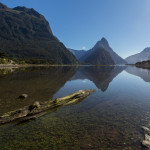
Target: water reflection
[[100, 76], [104, 120], [142, 73], [40, 83]]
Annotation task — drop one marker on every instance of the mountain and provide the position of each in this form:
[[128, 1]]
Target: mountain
[[100, 76], [25, 34], [77, 53], [142, 56], [97, 56], [110, 56]]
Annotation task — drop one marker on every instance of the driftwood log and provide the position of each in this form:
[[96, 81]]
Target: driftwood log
[[38, 109]]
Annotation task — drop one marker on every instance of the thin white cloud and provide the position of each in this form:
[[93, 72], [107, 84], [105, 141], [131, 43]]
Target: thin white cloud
[[83, 48], [84, 81]]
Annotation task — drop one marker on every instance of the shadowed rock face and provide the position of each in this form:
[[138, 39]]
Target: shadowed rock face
[[100, 76], [26, 34], [142, 73]]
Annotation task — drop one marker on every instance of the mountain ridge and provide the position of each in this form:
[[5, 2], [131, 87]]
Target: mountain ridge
[[139, 57], [25, 34]]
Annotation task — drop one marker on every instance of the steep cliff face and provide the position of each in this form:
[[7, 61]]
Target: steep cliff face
[[25, 34]]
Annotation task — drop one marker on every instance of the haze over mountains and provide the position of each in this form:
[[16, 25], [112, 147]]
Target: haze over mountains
[[142, 56], [78, 53], [25, 34]]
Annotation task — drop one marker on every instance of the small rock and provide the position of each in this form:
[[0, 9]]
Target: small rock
[[35, 105], [146, 144], [145, 129], [23, 96], [147, 137]]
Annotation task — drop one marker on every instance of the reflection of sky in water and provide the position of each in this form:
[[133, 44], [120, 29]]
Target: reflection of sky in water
[[73, 86]]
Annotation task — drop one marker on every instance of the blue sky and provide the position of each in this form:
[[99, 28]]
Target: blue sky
[[81, 23]]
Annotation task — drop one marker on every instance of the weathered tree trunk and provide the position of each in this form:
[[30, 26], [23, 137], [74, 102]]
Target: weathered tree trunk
[[39, 108]]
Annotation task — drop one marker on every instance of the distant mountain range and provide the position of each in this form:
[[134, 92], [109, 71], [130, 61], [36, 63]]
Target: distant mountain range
[[100, 54], [78, 53], [25, 34], [142, 56]]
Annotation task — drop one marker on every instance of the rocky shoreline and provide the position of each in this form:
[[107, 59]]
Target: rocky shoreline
[[146, 141], [38, 109]]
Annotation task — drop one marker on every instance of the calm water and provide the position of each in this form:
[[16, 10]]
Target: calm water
[[109, 119]]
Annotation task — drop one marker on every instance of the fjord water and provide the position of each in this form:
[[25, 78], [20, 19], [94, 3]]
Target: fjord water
[[110, 118]]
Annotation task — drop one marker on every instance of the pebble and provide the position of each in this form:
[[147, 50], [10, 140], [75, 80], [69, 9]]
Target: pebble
[[23, 96], [146, 141], [145, 129]]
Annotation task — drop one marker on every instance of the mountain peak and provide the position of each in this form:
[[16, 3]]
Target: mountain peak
[[102, 43], [146, 50], [30, 37], [30, 11], [2, 6], [104, 40]]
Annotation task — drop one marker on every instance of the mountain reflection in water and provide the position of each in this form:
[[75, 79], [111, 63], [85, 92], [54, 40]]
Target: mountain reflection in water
[[142, 73], [100, 76], [40, 83]]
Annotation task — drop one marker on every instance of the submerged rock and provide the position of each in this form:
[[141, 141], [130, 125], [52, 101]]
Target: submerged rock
[[147, 137], [146, 144], [23, 96], [145, 129], [38, 109], [35, 105], [146, 141]]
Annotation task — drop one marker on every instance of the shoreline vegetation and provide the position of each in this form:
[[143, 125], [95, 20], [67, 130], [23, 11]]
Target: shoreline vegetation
[[6, 62], [143, 64], [12, 64], [38, 109]]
